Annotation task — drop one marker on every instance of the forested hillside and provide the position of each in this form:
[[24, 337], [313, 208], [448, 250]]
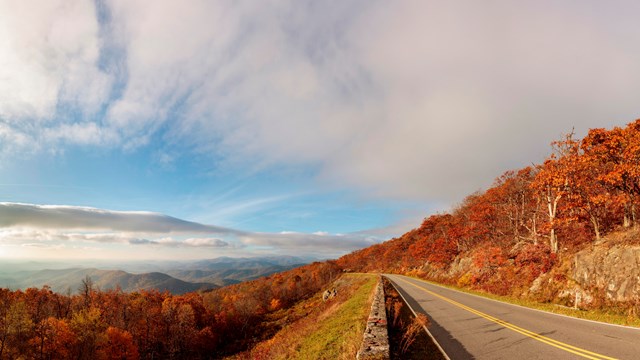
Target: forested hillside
[[42, 324], [529, 222]]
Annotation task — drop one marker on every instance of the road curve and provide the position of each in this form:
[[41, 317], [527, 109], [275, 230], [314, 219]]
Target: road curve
[[472, 327]]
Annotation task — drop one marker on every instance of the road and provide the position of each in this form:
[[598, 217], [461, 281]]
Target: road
[[471, 327]]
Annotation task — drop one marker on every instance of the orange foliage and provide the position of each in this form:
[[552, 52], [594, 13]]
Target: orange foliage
[[119, 345], [41, 324], [513, 230]]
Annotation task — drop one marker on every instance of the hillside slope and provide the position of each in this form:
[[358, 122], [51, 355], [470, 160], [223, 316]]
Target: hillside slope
[[548, 232], [70, 279]]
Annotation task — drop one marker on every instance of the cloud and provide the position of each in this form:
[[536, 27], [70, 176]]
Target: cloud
[[87, 218], [205, 242], [191, 242], [323, 243], [52, 226], [49, 55], [419, 100]]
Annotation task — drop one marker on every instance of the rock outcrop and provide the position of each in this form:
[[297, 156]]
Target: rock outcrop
[[613, 271]]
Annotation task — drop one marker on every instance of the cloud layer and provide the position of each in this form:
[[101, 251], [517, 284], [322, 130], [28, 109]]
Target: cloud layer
[[426, 100], [55, 226], [87, 218]]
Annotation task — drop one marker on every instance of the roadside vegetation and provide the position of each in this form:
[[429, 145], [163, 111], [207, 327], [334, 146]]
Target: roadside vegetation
[[318, 329], [519, 239], [407, 337]]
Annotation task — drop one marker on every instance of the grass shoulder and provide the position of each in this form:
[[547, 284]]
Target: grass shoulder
[[317, 329], [612, 316]]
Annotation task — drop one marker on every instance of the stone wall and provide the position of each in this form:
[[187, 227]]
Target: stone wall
[[375, 344]]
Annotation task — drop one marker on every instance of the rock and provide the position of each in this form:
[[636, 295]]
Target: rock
[[536, 285], [615, 270]]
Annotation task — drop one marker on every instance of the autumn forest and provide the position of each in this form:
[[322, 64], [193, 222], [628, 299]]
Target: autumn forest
[[523, 224], [512, 233]]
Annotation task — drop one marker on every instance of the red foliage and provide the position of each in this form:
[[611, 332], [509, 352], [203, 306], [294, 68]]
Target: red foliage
[[119, 345], [585, 189], [580, 192], [536, 259], [40, 324]]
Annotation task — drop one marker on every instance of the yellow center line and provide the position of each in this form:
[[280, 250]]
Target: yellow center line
[[558, 344]]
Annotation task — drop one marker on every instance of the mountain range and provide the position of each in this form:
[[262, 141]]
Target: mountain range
[[177, 277]]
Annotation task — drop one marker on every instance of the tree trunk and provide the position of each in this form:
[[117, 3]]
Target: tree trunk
[[596, 227], [552, 206], [629, 216], [534, 230], [553, 241]]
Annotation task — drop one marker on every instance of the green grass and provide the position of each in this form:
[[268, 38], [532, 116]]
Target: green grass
[[315, 329], [613, 316], [338, 333]]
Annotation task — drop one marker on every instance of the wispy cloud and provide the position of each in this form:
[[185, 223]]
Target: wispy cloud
[[415, 99], [49, 56]]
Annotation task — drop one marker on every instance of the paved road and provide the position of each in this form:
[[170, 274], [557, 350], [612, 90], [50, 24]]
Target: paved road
[[472, 327]]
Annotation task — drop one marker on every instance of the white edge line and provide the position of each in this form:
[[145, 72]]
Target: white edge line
[[416, 315], [524, 307]]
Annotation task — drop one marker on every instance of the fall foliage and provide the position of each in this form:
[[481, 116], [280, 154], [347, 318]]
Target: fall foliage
[[509, 234], [94, 324], [514, 230]]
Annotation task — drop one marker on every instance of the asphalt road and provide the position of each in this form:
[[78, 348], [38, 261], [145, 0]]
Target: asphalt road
[[471, 327]]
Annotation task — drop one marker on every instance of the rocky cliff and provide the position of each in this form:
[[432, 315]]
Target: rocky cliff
[[612, 271]]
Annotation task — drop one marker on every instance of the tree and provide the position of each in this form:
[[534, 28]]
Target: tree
[[554, 180], [18, 328], [86, 291], [517, 203], [119, 345], [55, 341], [89, 329], [616, 155], [589, 195]]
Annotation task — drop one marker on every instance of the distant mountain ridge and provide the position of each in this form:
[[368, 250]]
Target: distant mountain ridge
[[226, 271], [64, 280], [177, 277]]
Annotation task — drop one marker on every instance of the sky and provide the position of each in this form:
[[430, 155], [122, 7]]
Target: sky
[[197, 129]]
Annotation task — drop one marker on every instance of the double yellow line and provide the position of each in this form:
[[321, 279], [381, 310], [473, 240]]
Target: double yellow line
[[555, 343]]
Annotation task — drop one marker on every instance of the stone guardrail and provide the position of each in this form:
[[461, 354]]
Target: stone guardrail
[[375, 343]]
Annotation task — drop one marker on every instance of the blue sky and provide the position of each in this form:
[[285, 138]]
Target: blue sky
[[287, 127]]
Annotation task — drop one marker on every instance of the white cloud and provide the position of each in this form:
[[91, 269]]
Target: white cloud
[[49, 56], [416, 99], [81, 134], [191, 242], [205, 242], [309, 243], [421, 100], [52, 226], [87, 218]]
